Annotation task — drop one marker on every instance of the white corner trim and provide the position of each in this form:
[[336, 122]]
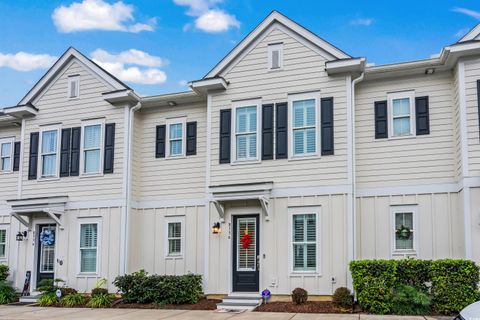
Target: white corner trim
[[467, 223], [463, 118]]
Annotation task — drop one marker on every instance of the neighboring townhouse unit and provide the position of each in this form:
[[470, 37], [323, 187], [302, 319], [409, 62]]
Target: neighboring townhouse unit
[[289, 159]]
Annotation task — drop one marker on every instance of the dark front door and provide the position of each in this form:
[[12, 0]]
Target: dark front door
[[246, 253], [45, 252]]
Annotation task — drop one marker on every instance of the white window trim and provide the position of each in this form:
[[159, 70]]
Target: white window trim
[[82, 221], [275, 47], [172, 121], [71, 79], [400, 209], [299, 97], [181, 220], [401, 95], [12, 146], [58, 128], [240, 104], [292, 211], [5, 227], [87, 123]]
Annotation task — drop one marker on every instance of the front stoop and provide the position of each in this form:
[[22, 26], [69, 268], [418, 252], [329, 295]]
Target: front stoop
[[29, 299], [240, 302]]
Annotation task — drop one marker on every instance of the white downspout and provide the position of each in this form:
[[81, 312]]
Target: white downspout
[[354, 172], [128, 186]]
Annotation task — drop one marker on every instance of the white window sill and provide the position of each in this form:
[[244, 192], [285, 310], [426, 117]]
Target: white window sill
[[305, 157], [174, 257], [274, 70], [88, 275], [6, 172], [404, 252], [304, 273], [411, 136], [91, 175], [176, 157], [242, 162], [48, 178]]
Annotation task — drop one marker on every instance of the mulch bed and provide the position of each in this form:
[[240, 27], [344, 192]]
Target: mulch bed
[[202, 304], [308, 307]]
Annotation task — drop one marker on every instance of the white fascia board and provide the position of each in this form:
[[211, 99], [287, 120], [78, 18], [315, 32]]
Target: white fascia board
[[204, 86], [345, 66], [471, 35], [121, 97], [57, 67], [276, 16], [21, 111]]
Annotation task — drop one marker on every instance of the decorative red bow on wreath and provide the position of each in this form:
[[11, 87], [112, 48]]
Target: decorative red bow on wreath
[[246, 240]]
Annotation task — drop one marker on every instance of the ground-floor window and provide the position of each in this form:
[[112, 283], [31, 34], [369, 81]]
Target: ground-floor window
[[304, 239], [3, 242], [88, 246], [404, 234], [174, 236]]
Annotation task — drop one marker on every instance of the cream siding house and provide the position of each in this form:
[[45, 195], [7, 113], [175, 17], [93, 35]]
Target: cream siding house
[[289, 159]]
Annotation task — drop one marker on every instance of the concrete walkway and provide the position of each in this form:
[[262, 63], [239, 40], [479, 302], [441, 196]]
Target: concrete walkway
[[34, 313]]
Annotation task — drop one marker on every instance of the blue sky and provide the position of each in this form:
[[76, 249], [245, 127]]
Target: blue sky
[[155, 46]]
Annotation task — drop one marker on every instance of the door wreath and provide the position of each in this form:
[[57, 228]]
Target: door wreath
[[246, 240], [47, 237]]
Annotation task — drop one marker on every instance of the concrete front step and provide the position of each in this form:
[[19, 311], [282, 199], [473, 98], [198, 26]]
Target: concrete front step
[[240, 301], [29, 299]]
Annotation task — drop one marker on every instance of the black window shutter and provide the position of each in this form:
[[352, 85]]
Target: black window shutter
[[225, 128], [75, 151], [327, 126], [267, 132], [282, 130], [33, 157], [191, 138], [160, 142], [422, 115], [16, 156], [65, 152], [109, 148], [381, 120]]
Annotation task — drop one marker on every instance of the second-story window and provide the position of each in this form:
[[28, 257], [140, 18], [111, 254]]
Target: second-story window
[[401, 105], [49, 152], [92, 147], [275, 56], [6, 152], [176, 137], [246, 133], [304, 125]]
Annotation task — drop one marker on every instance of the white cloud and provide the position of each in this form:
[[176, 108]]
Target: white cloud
[[468, 12], [208, 17], [362, 22], [216, 21], [127, 66], [98, 15], [22, 61], [183, 83]]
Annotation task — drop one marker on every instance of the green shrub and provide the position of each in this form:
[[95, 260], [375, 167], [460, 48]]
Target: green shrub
[[454, 285], [407, 300], [450, 284], [4, 272], [414, 272], [140, 287], [74, 300], [48, 299], [373, 281], [7, 293], [343, 298], [101, 300], [299, 296], [67, 291], [46, 286], [96, 291]]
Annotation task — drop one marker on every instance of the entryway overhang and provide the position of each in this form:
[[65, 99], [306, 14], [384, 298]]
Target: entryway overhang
[[260, 191], [24, 209]]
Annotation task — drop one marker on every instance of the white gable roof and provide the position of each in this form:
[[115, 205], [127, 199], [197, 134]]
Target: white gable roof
[[473, 34], [58, 66], [272, 18]]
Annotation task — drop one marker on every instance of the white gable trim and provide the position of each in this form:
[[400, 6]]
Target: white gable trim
[[301, 32], [54, 72], [472, 34]]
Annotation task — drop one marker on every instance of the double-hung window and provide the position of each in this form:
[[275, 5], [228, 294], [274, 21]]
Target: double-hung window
[[73, 87], [3, 243], [49, 146], [6, 155], [246, 140], [304, 124], [176, 136], [92, 155], [175, 236], [304, 240], [404, 236], [88, 247], [401, 105]]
